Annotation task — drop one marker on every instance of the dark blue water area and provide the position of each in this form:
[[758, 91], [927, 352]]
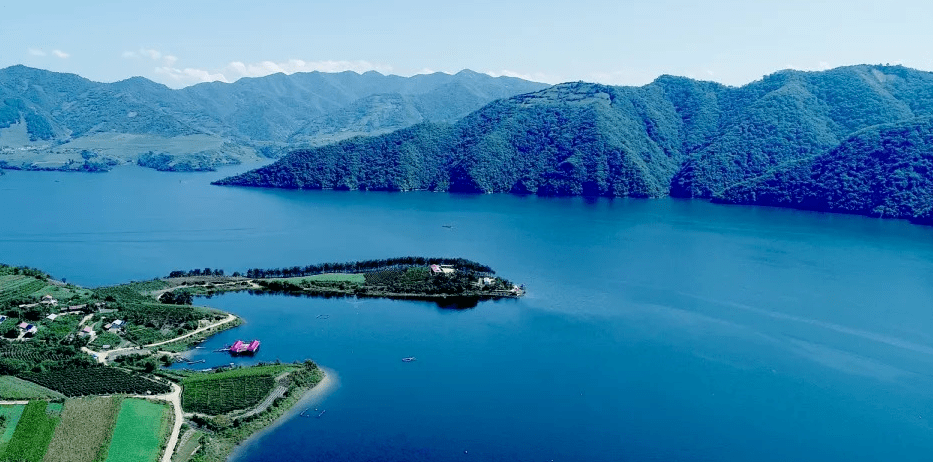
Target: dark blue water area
[[652, 329]]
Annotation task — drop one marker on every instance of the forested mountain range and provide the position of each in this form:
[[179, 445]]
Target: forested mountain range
[[56, 119], [675, 136]]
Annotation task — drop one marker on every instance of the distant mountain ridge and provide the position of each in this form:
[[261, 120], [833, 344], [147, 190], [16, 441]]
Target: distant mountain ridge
[[47, 118], [675, 136]]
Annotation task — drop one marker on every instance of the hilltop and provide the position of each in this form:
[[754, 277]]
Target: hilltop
[[59, 121], [675, 136]]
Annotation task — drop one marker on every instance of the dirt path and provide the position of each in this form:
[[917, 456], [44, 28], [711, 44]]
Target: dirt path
[[7, 403], [103, 355], [229, 318], [175, 399]]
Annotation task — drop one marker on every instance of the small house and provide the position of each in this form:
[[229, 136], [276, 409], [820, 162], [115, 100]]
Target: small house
[[51, 317], [2, 318], [107, 326], [447, 269], [436, 269], [75, 308], [23, 325], [31, 331], [48, 300], [87, 330]]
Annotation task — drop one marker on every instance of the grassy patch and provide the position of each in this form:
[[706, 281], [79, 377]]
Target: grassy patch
[[357, 278], [106, 338], [139, 432], [222, 392], [32, 435], [11, 415], [85, 428], [15, 388]]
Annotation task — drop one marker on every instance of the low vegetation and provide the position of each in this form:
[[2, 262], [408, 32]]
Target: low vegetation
[[84, 431], [33, 433], [11, 415], [140, 431], [12, 388], [97, 381], [223, 392]]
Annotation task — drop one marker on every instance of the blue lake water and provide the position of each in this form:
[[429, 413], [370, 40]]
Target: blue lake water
[[652, 330]]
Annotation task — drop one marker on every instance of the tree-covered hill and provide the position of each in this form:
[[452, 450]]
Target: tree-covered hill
[[576, 138], [674, 136], [884, 171], [49, 118]]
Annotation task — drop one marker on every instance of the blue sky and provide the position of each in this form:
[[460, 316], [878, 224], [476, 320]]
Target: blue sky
[[180, 43]]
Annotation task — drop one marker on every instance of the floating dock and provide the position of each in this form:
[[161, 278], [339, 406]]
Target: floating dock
[[242, 348]]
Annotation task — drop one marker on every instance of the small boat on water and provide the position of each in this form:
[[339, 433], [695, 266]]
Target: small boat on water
[[409, 359]]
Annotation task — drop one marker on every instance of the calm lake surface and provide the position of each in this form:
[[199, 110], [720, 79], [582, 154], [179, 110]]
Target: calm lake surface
[[653, 330]]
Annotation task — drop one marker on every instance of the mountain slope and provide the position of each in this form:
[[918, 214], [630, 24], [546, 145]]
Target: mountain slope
[[49, 119], [885, 170], [674, 136]]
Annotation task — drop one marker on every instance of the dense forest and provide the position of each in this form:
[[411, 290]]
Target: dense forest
[[675, 136], [884, 171]]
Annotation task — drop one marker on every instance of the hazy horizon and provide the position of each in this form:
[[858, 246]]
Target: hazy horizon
[[731, 42]]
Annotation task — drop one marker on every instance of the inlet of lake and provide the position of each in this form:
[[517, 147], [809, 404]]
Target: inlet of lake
[[665, 330]]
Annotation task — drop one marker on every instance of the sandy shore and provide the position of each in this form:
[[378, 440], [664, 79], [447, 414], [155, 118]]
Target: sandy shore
[[328, 384]]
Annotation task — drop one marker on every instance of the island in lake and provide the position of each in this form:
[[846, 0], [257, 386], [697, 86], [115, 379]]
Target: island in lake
[[80, 368]]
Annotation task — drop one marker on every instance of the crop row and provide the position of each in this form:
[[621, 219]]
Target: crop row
[[96, 381], [21, 291], [226, 394]]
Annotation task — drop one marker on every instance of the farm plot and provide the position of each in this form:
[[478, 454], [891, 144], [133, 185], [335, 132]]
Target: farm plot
[[96, 381], [141, 427], [84, 431], [33, 433], [15, 388], [16, 287], [11, 416], [223, 392]]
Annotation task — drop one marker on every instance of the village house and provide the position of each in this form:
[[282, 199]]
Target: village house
[[48, 300], [51, 317]]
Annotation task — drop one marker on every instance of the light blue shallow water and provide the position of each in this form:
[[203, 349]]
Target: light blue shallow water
[[653, 330]]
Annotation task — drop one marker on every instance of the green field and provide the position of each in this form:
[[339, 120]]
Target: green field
[[13, 388], [11, 415], [141, 427], [33, 433], [219, 393], [327, 277], [84, 431]]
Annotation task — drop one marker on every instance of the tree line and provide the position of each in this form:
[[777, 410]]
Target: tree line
[[360, 266]]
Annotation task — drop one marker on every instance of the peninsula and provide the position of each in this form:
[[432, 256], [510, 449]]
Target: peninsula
[[81, 376]]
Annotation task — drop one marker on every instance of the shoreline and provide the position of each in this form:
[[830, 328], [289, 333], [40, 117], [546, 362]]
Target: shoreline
[[318, 392]]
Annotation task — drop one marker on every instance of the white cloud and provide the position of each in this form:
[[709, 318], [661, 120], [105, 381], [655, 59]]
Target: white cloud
[[189, 75], [35, 51], [60, 54]]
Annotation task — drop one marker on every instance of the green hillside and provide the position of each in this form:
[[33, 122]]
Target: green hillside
[[674, 136], [884, 171], [66, 122]]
